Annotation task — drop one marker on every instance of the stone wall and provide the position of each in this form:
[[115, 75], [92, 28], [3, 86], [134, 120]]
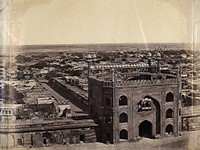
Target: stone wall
[[46, 138]]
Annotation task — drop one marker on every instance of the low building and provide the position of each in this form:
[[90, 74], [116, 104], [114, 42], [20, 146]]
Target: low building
[[40, 132]]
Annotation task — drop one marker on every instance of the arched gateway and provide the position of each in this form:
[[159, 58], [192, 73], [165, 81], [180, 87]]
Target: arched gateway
[[145, 129]]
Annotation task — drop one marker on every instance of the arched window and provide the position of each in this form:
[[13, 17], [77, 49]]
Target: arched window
[[123, 101], [170, 97], [123, 118], [123, 134], [169, 129], [169, 113], [107, 101]]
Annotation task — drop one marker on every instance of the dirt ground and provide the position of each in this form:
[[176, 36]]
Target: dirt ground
[[188, 141]]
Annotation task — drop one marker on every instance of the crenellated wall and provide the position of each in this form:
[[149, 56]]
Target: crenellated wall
[[146, 82], [133, 82]]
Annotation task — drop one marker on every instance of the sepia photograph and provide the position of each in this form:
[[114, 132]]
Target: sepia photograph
[[99, 74]]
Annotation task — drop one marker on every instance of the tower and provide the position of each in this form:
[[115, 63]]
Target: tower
[[149, 57], [158, 58]]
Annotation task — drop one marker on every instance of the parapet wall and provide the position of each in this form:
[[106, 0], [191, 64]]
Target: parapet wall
[[146, 82], [135, 82], [45, 125], [102, 83]]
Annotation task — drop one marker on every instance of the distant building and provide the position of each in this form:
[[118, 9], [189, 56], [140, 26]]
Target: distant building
[[8, 112], [64, 110]]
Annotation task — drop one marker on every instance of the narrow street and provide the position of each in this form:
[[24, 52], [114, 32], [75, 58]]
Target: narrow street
[[59, 98]]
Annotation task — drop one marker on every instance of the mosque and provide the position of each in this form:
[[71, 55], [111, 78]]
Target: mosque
[[134, 100]]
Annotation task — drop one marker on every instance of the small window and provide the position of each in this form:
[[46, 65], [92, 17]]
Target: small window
[[169, 113], [123, 118], [170, 97], [123, 101], [123, 134], [169, 129]]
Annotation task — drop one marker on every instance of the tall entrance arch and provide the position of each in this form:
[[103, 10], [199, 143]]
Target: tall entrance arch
[[158, 118], [145, 129]]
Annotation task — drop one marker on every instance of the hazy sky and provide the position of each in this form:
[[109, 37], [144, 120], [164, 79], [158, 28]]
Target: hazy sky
[[98, 21]]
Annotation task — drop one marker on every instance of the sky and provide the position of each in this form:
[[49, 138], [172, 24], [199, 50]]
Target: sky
[[37, 22]]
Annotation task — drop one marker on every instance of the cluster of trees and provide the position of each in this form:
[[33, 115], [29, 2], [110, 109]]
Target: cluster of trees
[[30, 58]]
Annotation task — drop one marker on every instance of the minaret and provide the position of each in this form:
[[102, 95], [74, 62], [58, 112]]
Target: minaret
[[149, 57], [89, 60], [158, 58]]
